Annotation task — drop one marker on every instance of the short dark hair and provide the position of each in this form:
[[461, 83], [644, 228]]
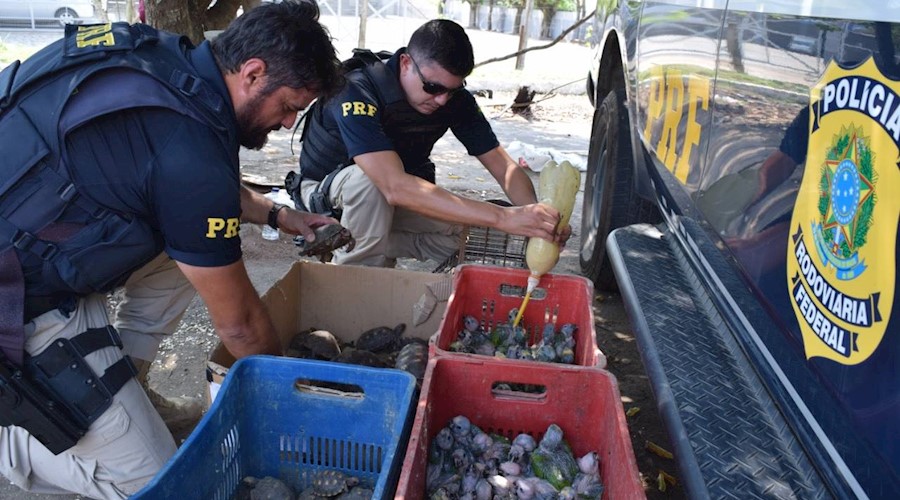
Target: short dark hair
[[296, 48], [446, 43]]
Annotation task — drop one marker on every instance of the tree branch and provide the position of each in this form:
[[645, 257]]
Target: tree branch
[[552, 43]]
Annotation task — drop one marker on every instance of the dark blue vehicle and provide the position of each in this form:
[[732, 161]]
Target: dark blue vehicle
[[743, 194]]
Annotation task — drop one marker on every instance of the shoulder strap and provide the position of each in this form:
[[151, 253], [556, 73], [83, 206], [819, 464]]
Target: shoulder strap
[[385, 81], [80, 44]]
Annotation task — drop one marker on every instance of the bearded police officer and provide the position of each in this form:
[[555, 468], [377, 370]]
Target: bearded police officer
[[119, 149]]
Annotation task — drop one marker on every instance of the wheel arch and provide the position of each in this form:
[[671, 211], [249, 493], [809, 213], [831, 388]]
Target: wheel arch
[[610, 74]]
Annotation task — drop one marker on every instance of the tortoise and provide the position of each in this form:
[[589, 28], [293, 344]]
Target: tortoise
[[328, 238], [322, 343], [361, 357], [381, 338], [328, 484], [357, 493], [267, 488], [413, 358]]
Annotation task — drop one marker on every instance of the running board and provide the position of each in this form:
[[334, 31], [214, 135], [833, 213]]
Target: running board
[[729, 438]]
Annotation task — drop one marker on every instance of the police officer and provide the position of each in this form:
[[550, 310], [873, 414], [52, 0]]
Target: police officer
[[119, 149], [366, 156]]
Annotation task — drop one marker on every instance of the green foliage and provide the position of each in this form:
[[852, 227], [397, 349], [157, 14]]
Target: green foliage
[[543, 5], [864, 219], [823, 192], [555, 5], [863, 222], [865, 162], [837, 151]]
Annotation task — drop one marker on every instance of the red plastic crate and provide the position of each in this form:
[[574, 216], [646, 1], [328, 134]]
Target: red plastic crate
[[584, 402], [506, 287]]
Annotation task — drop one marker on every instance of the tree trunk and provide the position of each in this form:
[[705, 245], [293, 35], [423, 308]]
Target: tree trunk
[[549, 12], [733, 43], [224, 11], [490, 19], [363, 20], [523, 33], [100, 11], [191, 17], [131, 14]]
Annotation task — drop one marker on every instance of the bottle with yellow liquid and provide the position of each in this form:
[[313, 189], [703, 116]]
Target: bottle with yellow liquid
[[557, 187]]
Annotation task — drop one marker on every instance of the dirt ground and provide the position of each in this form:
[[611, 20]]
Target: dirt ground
[[561, 122]]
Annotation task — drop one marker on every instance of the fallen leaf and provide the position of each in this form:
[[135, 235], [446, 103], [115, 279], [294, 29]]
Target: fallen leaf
[[632, 411], [668, 477], [658, 450]]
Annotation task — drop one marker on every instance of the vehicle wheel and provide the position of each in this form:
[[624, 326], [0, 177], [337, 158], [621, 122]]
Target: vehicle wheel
[[610, 201], [66, 16]]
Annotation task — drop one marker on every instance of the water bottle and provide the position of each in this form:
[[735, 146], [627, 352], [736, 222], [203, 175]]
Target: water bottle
[[558, 187], [269, 232]]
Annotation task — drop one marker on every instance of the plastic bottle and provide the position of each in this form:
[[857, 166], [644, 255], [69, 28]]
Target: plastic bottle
[[269, 232], [558, 186]]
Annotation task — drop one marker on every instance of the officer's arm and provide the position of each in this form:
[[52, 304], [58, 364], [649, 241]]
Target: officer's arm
[[516, 184], [511, 177], [255, 208], [237, 313], [401, 189]]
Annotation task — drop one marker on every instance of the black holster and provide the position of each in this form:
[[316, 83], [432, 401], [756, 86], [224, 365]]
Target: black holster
[[57, 396], [319, 202]]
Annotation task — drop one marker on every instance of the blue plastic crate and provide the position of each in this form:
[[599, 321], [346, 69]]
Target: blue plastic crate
[[269, 420]]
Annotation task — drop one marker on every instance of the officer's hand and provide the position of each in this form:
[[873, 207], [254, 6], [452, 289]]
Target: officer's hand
[[303, 223], [534, 221], [563, 235]]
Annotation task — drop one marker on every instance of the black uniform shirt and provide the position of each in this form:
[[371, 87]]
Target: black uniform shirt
[[365, 126]]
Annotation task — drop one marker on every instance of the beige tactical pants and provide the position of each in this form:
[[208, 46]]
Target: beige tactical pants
[[383, 233], [129, 443]]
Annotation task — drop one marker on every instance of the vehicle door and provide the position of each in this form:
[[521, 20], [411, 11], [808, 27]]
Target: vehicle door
[[801, 185]]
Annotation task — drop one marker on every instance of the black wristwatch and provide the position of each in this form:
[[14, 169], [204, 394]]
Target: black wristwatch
[[273, 215]]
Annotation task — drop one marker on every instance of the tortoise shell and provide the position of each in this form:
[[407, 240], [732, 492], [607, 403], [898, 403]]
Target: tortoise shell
[[331, 483], [381, 338]]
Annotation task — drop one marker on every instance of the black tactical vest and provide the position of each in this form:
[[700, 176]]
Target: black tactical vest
[[323, 148], [152, 70]]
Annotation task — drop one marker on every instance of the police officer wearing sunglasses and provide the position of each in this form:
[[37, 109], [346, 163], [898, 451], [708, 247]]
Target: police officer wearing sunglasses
[[365, 156]]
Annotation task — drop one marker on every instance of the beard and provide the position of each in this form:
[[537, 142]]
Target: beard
[[251, 134]]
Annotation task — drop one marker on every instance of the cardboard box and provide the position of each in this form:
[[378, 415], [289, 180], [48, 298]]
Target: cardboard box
[[346, 301]]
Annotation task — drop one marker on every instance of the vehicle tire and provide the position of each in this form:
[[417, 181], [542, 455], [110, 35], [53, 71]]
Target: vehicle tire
[[66, 16], [610, 200]]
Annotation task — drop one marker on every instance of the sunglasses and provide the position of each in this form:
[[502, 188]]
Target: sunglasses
[[432, 87]]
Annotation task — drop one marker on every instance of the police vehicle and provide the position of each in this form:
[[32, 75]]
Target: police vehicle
[[743, 195]]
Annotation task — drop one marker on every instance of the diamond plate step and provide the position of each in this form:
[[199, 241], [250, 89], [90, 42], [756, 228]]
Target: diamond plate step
[[730, 439]]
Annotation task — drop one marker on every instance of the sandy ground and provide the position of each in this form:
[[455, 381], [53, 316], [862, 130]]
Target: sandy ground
[[561, 120]]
